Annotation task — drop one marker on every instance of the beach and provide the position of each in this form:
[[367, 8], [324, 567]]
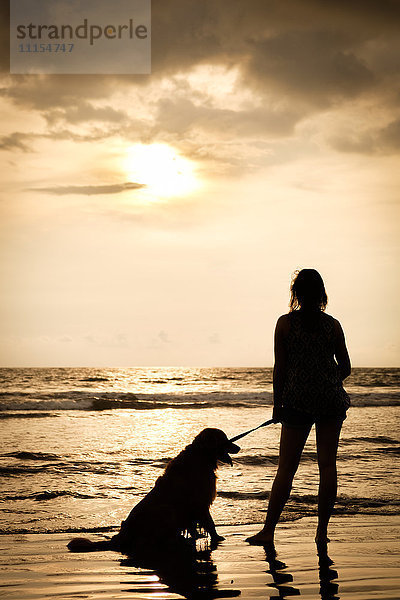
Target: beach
[[365, 553], [80, 447]]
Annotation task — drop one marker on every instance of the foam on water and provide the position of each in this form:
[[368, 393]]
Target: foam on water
[[73, 400], [46, 390], [84, 445]]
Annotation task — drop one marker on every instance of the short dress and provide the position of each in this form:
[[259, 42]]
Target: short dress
[[313, 385]]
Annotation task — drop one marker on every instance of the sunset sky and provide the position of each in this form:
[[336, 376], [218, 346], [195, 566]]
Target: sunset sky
[[156, 220]]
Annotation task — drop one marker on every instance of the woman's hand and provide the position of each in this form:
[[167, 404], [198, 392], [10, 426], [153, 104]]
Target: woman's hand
[[277, 414], [341, 353]]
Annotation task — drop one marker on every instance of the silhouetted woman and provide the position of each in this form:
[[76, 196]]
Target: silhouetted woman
[[311, 361]]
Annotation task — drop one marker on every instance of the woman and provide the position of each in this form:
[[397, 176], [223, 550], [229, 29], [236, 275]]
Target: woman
[[311, 361]]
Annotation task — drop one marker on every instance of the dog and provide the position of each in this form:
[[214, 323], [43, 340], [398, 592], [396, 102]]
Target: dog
[[178, 503]]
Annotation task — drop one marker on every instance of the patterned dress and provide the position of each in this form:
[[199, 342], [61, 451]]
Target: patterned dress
[[312, 383]]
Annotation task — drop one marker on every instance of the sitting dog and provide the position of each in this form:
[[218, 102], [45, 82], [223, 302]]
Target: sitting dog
[[179, 501]]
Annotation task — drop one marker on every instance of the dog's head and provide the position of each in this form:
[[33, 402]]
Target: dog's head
[[215, 443]]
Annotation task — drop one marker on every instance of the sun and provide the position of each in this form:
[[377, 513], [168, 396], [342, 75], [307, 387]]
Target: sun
[[163, 171]]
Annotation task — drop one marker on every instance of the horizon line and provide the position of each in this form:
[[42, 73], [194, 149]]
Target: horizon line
[[172, 367]]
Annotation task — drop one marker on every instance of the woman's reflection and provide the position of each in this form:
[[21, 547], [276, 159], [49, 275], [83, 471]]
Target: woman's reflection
[[328, 589]]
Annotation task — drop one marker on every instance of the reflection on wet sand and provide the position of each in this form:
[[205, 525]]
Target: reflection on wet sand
[[186, 567], [328, 590], [181, 568], [276, 568]]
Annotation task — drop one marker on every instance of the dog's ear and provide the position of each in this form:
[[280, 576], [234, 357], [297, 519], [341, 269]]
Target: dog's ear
[[202, 439], [210, 440]]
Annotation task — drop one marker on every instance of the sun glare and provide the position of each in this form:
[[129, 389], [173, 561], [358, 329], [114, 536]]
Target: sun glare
[[161, 169]]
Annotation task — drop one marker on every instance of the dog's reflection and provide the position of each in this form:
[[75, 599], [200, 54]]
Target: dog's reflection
[[185, 570]]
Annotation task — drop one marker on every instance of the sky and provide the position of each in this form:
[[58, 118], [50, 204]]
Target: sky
[[158, 219]]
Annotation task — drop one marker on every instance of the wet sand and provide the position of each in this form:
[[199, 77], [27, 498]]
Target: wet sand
[[365, 551]]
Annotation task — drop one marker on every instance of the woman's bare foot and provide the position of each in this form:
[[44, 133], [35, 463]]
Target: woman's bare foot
[[321, 537], [262, 538]]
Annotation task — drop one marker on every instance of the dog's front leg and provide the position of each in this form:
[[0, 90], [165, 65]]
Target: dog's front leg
[[206, 521]]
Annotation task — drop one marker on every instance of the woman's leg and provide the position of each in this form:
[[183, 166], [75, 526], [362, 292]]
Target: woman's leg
[[327, 443], [291, 447]]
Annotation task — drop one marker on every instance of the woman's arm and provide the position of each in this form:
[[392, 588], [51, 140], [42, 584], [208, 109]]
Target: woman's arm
[[341, 353], [281, 331]]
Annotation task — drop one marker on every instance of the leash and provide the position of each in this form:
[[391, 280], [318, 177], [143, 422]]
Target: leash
[[237, 437]]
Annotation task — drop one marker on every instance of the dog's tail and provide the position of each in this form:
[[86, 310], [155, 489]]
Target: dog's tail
[[86, 545]]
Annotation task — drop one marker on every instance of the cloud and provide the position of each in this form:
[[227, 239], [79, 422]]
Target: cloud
[[316, 67], [389, 136], [374, 140], [65, 339], [297, 58], [182, 115], [45, 92], [16, 141], [118, 340], [214, 338], [86, 112], [164, 337], [187, 32], [23, 141], [275, 43], [90, 190]]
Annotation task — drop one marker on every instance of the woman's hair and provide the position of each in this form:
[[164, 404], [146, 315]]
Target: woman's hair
[[307, 291]]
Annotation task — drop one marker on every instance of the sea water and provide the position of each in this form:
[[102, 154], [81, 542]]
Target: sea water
[[81, 446]]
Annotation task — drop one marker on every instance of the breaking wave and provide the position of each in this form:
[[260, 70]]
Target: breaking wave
[[72, 530], [32, 455], [47, 495], [96, 401]]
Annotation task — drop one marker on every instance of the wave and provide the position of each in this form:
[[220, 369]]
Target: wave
[[95, 401], [307, 456], [21, 470], [32, 455], [342, 501], [30, 463], [55, 466], [298, 506], [255, 461], [373, 376], [26, 415], [46, 530], [378, 439], [48, 495], [393, 450], [77, 467], [234, 495]]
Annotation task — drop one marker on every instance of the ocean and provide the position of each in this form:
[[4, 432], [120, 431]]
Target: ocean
[[81, 446]]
